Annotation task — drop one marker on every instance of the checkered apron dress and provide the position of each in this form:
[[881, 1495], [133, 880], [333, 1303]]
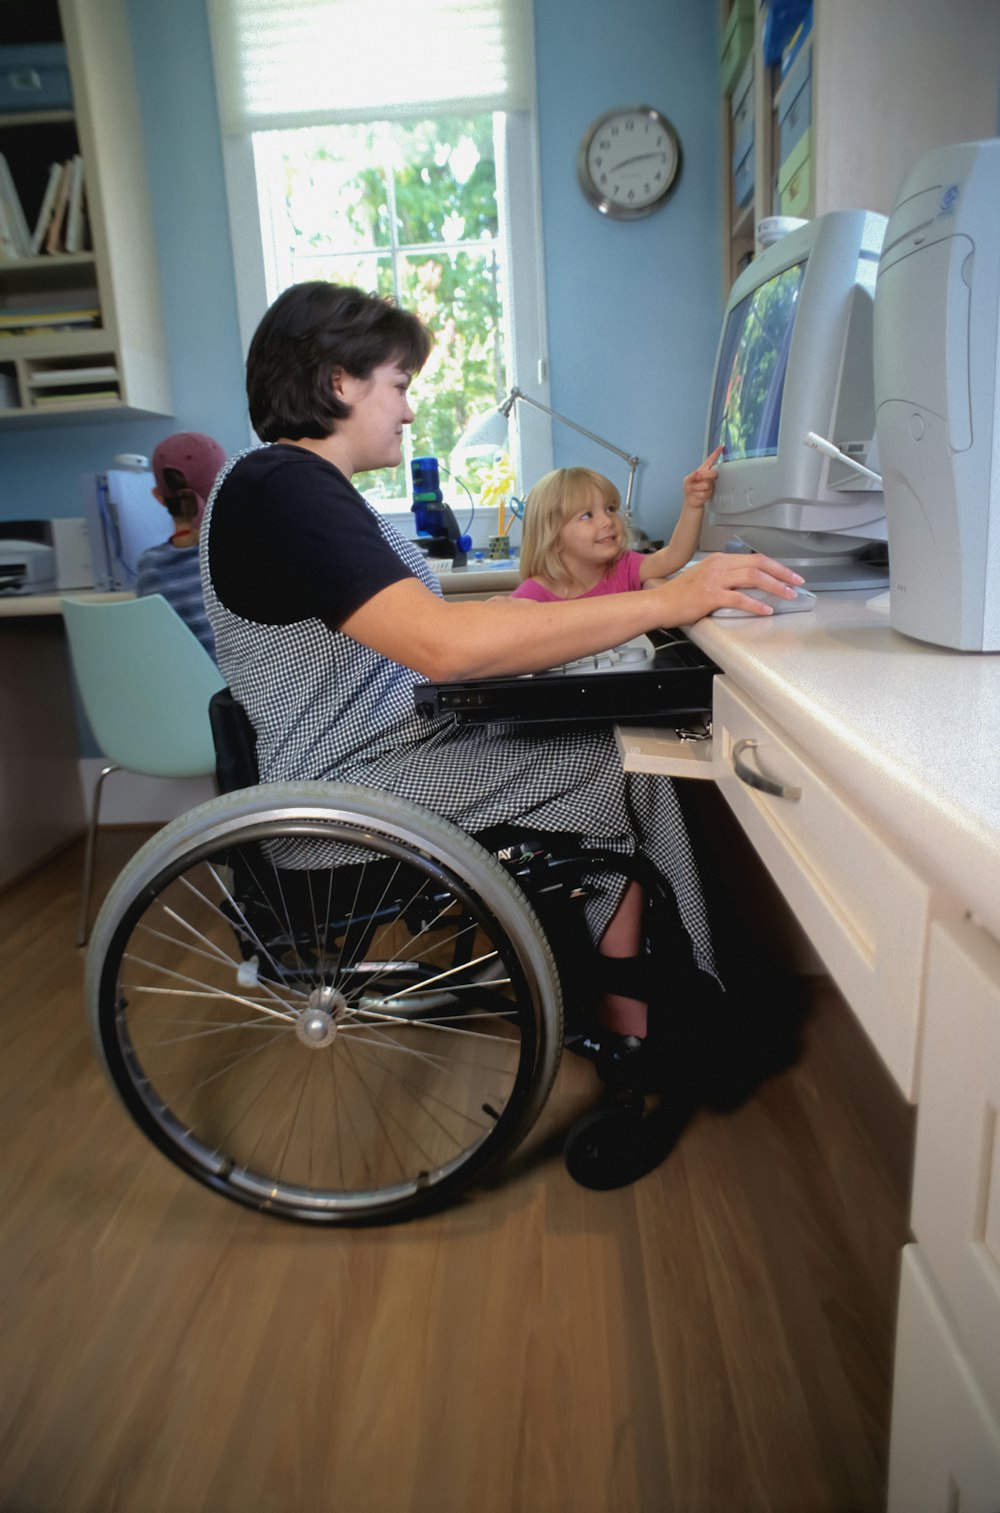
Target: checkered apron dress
[[324, 706]]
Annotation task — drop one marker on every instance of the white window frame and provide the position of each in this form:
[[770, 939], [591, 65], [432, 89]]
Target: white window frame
[[518, 182]]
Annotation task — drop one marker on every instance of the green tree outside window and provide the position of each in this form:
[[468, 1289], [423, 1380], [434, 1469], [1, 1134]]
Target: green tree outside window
[[408, 211]]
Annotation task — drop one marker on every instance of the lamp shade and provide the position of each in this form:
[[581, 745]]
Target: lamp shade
[[491, 430], [487, 430]]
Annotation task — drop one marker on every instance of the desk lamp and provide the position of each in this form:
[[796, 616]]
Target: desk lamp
[[491, 429]]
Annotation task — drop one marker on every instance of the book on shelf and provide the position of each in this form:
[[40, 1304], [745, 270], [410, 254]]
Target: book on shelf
[[54, 235], [14, 211], [73, 240], [8, 247], [77, 397], [57, 378], [45, 213], [23, 320]]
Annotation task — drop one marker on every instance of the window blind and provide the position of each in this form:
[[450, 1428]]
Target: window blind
[[282, 63]]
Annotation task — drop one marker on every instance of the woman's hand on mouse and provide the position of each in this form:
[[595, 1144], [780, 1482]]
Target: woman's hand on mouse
[[717, 580]]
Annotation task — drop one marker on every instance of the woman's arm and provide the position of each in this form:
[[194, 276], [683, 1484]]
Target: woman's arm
[[699, 487], [443, 639]]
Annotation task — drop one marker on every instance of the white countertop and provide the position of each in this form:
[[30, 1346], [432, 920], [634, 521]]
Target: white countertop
[[910, 731], [25, 606], [492, 577]]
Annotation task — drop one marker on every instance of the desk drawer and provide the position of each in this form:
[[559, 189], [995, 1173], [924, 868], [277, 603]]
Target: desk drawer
[[862, 907], [956, 1178]]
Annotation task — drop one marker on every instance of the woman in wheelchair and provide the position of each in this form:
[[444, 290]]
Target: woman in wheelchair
[[325, 620]]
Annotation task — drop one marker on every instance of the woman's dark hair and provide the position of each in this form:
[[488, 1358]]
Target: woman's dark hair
[[310, 331]]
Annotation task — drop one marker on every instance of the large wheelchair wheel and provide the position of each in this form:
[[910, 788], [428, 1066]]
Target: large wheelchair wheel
[[324, 1002]]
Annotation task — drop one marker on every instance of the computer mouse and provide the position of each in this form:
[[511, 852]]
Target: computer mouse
[[803, 600]]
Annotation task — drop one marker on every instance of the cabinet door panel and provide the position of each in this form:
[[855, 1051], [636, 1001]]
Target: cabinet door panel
[[945, 1448], [956, 1182]]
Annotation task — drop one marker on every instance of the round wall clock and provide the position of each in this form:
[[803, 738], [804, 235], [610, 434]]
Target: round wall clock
[[628, 161]]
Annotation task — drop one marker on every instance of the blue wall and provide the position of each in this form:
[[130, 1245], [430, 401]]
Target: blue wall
[[632, 309]]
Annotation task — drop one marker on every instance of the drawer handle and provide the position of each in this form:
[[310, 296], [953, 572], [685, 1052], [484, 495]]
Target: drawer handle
[[754, 779]]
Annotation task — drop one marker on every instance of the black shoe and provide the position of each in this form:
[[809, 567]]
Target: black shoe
[[741, 1045]]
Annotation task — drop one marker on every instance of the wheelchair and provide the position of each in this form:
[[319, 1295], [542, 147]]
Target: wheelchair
[[332, 1005]]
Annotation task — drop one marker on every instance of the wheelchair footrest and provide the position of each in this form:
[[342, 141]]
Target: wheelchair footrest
[[626, 1062]]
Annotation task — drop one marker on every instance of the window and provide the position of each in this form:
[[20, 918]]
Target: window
[[431, 200], [409, 210]]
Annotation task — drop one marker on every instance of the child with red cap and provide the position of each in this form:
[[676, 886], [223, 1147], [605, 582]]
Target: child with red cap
[[184, 466]]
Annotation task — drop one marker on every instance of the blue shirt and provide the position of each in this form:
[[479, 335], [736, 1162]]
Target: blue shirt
[[173, 571]]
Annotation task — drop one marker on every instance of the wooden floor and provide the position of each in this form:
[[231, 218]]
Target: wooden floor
[[715, 1339]]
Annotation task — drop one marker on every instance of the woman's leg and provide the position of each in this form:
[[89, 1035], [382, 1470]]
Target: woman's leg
[[623, 938], [568, 781]]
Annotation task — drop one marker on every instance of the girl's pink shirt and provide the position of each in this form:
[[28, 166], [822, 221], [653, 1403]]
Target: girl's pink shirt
[[621, 578]]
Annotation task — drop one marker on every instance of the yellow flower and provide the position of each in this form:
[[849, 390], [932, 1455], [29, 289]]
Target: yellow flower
[[499, 483]]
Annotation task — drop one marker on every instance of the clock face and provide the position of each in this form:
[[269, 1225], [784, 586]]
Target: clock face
[[628, 161]]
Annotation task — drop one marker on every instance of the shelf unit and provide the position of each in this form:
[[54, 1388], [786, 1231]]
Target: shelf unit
[[870, 89], [108, 358], [767, 129]]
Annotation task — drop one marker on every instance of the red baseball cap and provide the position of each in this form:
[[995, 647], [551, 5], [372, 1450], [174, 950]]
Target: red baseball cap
[[197, 457]]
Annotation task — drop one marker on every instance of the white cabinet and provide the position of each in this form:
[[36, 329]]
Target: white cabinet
[[956, 1219], [925, 983], [944, 1454], [862, 766], [80, 331], [862, 906]]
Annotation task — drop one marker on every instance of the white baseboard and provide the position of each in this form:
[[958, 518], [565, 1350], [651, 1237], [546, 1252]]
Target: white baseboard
[[128, 798]]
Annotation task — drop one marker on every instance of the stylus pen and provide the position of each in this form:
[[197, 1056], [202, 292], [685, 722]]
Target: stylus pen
[[828, 449]]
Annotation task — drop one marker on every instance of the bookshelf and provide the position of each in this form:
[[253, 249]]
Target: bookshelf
[[863, 93], [80, 329]]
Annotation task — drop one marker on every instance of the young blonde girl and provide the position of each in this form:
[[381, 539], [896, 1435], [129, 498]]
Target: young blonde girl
[[575, 542]]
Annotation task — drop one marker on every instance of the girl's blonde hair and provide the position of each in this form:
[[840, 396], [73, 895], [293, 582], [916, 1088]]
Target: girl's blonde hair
[[553, 500]]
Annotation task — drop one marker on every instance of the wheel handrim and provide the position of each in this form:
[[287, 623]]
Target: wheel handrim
[[423, 1062]]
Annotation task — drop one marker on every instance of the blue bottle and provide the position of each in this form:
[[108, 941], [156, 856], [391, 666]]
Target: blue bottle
[[437, 529]]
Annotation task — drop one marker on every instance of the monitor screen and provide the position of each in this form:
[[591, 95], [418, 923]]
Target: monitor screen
[[753, 361], [795, 356]]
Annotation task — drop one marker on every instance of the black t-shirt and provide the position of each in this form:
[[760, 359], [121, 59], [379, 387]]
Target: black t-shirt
[[290, 539]]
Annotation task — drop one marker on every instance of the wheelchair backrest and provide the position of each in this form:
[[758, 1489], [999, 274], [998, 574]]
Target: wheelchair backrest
[[235, 743]]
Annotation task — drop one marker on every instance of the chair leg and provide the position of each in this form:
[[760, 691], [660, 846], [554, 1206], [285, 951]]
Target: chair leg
[[89, 854]]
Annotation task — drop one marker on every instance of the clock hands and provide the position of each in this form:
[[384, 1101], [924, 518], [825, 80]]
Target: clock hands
[[639, 158]]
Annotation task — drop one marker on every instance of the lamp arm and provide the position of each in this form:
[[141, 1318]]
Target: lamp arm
[[633, 462]]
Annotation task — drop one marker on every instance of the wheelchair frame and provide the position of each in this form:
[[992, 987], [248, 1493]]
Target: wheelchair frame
[[331, 1004]]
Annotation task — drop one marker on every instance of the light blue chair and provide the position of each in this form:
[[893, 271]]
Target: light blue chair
[[145, 681]]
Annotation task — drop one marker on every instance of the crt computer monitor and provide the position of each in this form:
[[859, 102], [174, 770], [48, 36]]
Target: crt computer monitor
[[795, 355]]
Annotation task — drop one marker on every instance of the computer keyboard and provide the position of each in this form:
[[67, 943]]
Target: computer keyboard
[[630, 654]]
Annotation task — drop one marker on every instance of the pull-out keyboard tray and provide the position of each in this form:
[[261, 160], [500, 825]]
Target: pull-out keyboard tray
[[663, 676]]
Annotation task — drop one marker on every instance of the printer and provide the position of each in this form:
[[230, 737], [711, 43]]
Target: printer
[[44, 556], [27, 567]]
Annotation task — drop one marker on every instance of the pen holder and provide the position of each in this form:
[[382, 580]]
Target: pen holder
[[499, 547]]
